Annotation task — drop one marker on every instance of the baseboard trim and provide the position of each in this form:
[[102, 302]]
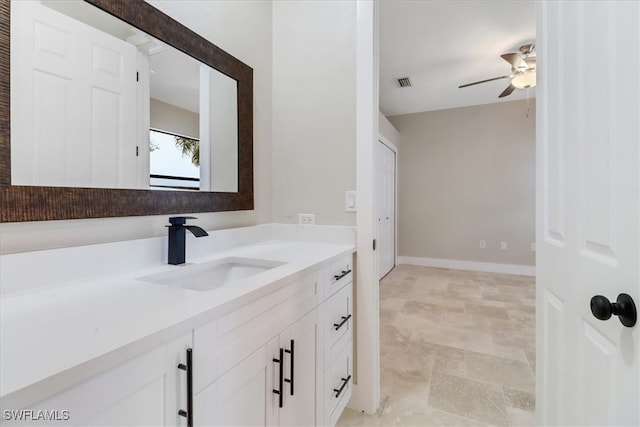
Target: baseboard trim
[[489, 267]]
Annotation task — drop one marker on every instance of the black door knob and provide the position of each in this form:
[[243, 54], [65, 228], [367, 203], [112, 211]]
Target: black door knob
[[624, 308]]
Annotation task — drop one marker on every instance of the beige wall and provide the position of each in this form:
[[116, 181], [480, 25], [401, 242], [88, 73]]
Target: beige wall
[[243, 29], [172, 119], [465, 175], [313, 110]]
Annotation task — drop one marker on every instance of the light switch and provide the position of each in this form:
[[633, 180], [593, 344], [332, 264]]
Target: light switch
[[350, 201]]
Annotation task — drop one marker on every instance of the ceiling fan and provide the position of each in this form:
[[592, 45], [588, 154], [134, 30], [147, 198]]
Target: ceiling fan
[[523, 70]]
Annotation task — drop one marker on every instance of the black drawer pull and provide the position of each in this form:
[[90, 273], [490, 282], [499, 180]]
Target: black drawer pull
[[344, 320], [279, 392], [345, 381], [293, 355], [341, 275], [188, 368]]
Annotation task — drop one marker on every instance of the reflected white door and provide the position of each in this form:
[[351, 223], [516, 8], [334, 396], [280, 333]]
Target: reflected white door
[[588, 210], [75, 90], [386, 209]]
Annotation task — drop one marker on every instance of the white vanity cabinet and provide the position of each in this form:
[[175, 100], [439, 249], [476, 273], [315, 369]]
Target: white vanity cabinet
[[257, 365], [337, 325], [142, 391], [275, 385], [282, 356]]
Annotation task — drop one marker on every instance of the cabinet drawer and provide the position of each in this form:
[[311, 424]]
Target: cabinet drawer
[[223, 343], [338, 385], [337, 274], [337, 322]]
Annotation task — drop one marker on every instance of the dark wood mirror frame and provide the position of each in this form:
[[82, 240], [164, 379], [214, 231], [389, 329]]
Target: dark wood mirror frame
[[31, 203]]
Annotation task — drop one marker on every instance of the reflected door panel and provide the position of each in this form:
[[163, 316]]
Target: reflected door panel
[[74, 94]]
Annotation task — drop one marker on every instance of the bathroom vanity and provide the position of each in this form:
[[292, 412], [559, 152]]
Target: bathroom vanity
[[269, 343]]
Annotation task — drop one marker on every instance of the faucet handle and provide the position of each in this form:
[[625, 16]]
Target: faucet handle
[[180, 220]]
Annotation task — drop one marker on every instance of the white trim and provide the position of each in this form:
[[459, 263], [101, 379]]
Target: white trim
[[490, 267], [388, 143], [366, 386]]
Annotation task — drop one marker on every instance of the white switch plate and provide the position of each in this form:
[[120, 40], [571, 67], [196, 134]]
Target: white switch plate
[[483, 244], [350, 201], [533, 246], [306, 219], [503, 245]]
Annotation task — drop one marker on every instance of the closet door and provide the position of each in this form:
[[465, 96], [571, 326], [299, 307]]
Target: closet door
[[386, 208]]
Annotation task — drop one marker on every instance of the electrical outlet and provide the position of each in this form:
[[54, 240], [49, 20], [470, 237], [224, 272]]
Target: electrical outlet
[[533, 246], [503, 245], [483, 244], [306, 219]]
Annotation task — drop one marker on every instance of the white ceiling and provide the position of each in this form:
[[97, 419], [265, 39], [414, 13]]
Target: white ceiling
[[443, 44]]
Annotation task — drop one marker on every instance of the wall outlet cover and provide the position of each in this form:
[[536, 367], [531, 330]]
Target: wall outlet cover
[[503, 245], [306, 219], [483, 244]]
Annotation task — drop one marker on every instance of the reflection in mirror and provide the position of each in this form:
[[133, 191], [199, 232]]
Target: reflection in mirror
[[89, 88], [174, 161]]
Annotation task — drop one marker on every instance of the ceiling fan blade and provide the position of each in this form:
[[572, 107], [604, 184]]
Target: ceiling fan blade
[[507, 91], [514, 59], [484, 81]]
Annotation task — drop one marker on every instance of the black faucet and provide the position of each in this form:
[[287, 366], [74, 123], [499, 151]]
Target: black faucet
[[177, 237]]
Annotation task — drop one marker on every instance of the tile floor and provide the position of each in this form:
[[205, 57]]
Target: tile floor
[[457, 348]]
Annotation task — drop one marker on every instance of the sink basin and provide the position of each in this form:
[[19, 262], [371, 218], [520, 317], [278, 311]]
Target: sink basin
[[226, 272]]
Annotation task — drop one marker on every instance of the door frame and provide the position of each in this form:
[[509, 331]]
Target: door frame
[[366, 385]]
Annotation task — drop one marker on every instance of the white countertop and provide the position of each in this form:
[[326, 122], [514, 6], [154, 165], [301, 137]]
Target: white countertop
[[57, 337]]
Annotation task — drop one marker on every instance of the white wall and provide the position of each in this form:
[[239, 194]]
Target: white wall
[[386, 129], [465, 175], [314, 69], [242, 28]]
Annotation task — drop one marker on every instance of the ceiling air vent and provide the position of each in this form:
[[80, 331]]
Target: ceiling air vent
[[404, 82]]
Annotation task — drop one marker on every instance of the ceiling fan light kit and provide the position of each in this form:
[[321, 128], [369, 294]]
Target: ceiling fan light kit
[[525, 80], [523, 70]]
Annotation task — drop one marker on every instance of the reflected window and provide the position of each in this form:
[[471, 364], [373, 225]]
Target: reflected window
[[174, 161]]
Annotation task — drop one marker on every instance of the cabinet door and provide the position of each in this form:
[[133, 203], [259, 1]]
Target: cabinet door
[[142, 408], [239, 397], [175, 385], [300, 363], [130, 394]]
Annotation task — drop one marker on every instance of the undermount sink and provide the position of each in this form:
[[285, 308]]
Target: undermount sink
[[226, 272]]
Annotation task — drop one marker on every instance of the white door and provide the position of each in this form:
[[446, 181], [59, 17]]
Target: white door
[[386, 209], [588, 212], [75, 87]]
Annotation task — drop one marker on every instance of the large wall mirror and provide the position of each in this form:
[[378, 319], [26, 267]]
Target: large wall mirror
[[111, 108]]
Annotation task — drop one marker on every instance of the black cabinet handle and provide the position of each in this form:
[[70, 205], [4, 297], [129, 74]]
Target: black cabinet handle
[[280, 379], [338, 391], [188, 368], [290, 379], [341, 275], [344, 320]]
